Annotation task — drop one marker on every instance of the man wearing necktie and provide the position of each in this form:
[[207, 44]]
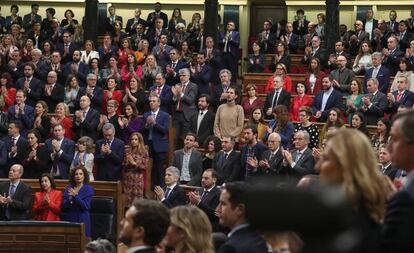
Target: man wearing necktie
[[86, 120], [227, 162], [229, 41], [207, 199], [373, 104], [173, 195], [267, 40], [401, 97], [15, 196], [386, 166], [299, 162], [392, 55]]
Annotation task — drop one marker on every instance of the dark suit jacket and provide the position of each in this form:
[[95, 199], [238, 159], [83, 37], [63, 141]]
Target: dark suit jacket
[[26, 120], [109, 165], [36, 88], [165, 96], [300, 30], [175, 77], [321, 54], [61, 48], [188, 100], [376, 110], [374, 25], [21, 149], [266, 46], [131, 25], [244, 240], [27, 21], [284, 99], [393, 27], [152, 17], [195, 165], [228, 170], [393, 61], [83, 71], [233, 43], [293, 43], [34, 169], [276, 163], [390, 171], [149, 250], [65, 159], [89, 125], [21, 205], [159, 131], [206, 126], [96, 99], [405, 42], [407, 100], [305, 165], [3, 158], [344, 78], [110, 22], [383, 77], [398, 224], [175, 198], [334, 100], [55, 97], [209, 203], [203, 79]]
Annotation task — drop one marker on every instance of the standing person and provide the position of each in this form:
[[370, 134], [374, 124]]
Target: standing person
[[15, 145], [232, 214], [22, 113], [302, 99], [134, 168], [278, 96], [130, 123], [314, 76], [36, 156], [202, 123], [399, 217], [84, 155], [47, 202], [229, 41], [144, 225], [77, 199], [155, 132], [156, 14], [17, 196]]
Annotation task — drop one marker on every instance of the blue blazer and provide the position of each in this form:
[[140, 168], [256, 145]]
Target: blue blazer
[[334, 100], [61, 48], [76, 209], [233, 44], [109, 166], [96, 99], [36, 90], [159, 131], [26, 120], [65, 159], [89, 126], [21, 147], [407, 100], [383, 78], [83, 71], [203, 79], [165, 97], [172, 80]]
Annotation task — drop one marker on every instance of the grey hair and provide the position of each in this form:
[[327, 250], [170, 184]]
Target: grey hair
[[90, 75], [174, 170], [108, 126], [184, 71], [374, 80], [305, 135], [100, 246], [406, 125], [377, 54], [278, 138], [225, 71], [36, 50]]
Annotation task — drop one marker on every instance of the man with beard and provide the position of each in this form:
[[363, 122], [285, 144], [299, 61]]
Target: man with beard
[[202, 123], [325, 100]]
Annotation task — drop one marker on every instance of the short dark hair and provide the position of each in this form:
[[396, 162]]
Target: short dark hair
[[51, 11], [214, 173], [300, 11], [34, 5], [51, 179], [14, 7], [191, 134], [252, 127], [208, 98], [16, 123], [237, 191], [154, 217]]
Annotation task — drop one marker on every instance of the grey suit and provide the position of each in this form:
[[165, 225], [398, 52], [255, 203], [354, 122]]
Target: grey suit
[[195, 165], [343, 77], [305, 165], [376, 110]]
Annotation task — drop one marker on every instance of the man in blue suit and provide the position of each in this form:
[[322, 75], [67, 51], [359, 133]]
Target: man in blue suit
[[400, 97], [15, 147], [231, 212], [290, 38], [22, 113], [201, 75], [30, 84], [95, 93], [392, 55], [325, 100], [109, 155], [61, 152], [86, 120], [66, 48], [155, 132], [77, 68], [379, 71], [399, 218], [229, 42], [162, 91], [173, 67], [374, 103]]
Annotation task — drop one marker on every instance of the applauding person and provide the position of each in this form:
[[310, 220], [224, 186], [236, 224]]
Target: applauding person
[[47, 202]]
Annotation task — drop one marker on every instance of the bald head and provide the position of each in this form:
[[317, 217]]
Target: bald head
[[84, 102]]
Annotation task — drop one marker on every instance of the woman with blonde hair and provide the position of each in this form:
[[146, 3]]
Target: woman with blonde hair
[[349, 162], [282, 71], [190, 231]]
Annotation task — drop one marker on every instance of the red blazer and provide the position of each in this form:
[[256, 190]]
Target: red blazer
[[9, 99], [318, 83], [47, 212], [67, 123], [117, 96], [297, 103], [287, 84]]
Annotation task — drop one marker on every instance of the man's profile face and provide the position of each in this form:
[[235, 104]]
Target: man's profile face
[[225, 211], [126, 226]]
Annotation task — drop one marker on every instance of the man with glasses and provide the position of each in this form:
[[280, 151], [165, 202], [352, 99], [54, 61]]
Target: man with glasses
[[93, 92], [53, 92], [316, 51], [173, 67], [356, 40]]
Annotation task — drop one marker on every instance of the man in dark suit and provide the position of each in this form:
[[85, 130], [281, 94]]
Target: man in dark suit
[[232, 214], [138, 36], [400, 97], [179, 35], [229, 42], [109, 155], [300, 161], [110, 21], [220, 92], [393, 23], [15, 146], [189, 161], [290, 38], [411, 20], [379, 71], [53, 92], [358, 38], [399, 218], [17, 196], [40, 65], [76, 68], [144, 225], [22, 113], [157, 13], [56, 66], [300, 25], [86, 120], [31, 18], [201, 74], [163, 92], [30, 85], [207, 199], [160, 49], [251, 152], [373, 104], [213, 57], [271, 160], [392, 55], [325, 100], [266, 39], [370, 23], [386, 166], [202, 123], [3, 158], [342, 76], [132, 23], [93, 92], [173, 67], [404, 35], [227, 161], [184, 99], [106, 50], [155, 132], [316, 51], [61, 152], [277, 97], [66, 48], [173, 195]]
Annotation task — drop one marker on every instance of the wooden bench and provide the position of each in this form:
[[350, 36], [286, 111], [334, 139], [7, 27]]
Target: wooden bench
[[42, 237]]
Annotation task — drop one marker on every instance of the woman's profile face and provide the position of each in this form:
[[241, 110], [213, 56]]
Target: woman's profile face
[[31, 139], [174, 236], [39, 109], [328, 167]]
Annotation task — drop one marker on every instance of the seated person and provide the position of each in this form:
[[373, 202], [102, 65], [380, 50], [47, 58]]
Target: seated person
[[173, 195]]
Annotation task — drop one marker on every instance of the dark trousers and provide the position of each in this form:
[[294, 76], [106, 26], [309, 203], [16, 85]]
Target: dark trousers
[[231, 63], [158, 167], [182, 127]]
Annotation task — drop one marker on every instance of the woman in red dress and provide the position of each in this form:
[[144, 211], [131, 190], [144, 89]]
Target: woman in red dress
[[111, 93], [251, 102], [47, 202], [313, 77], [63, 117], [302, 99], [281, 70]]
